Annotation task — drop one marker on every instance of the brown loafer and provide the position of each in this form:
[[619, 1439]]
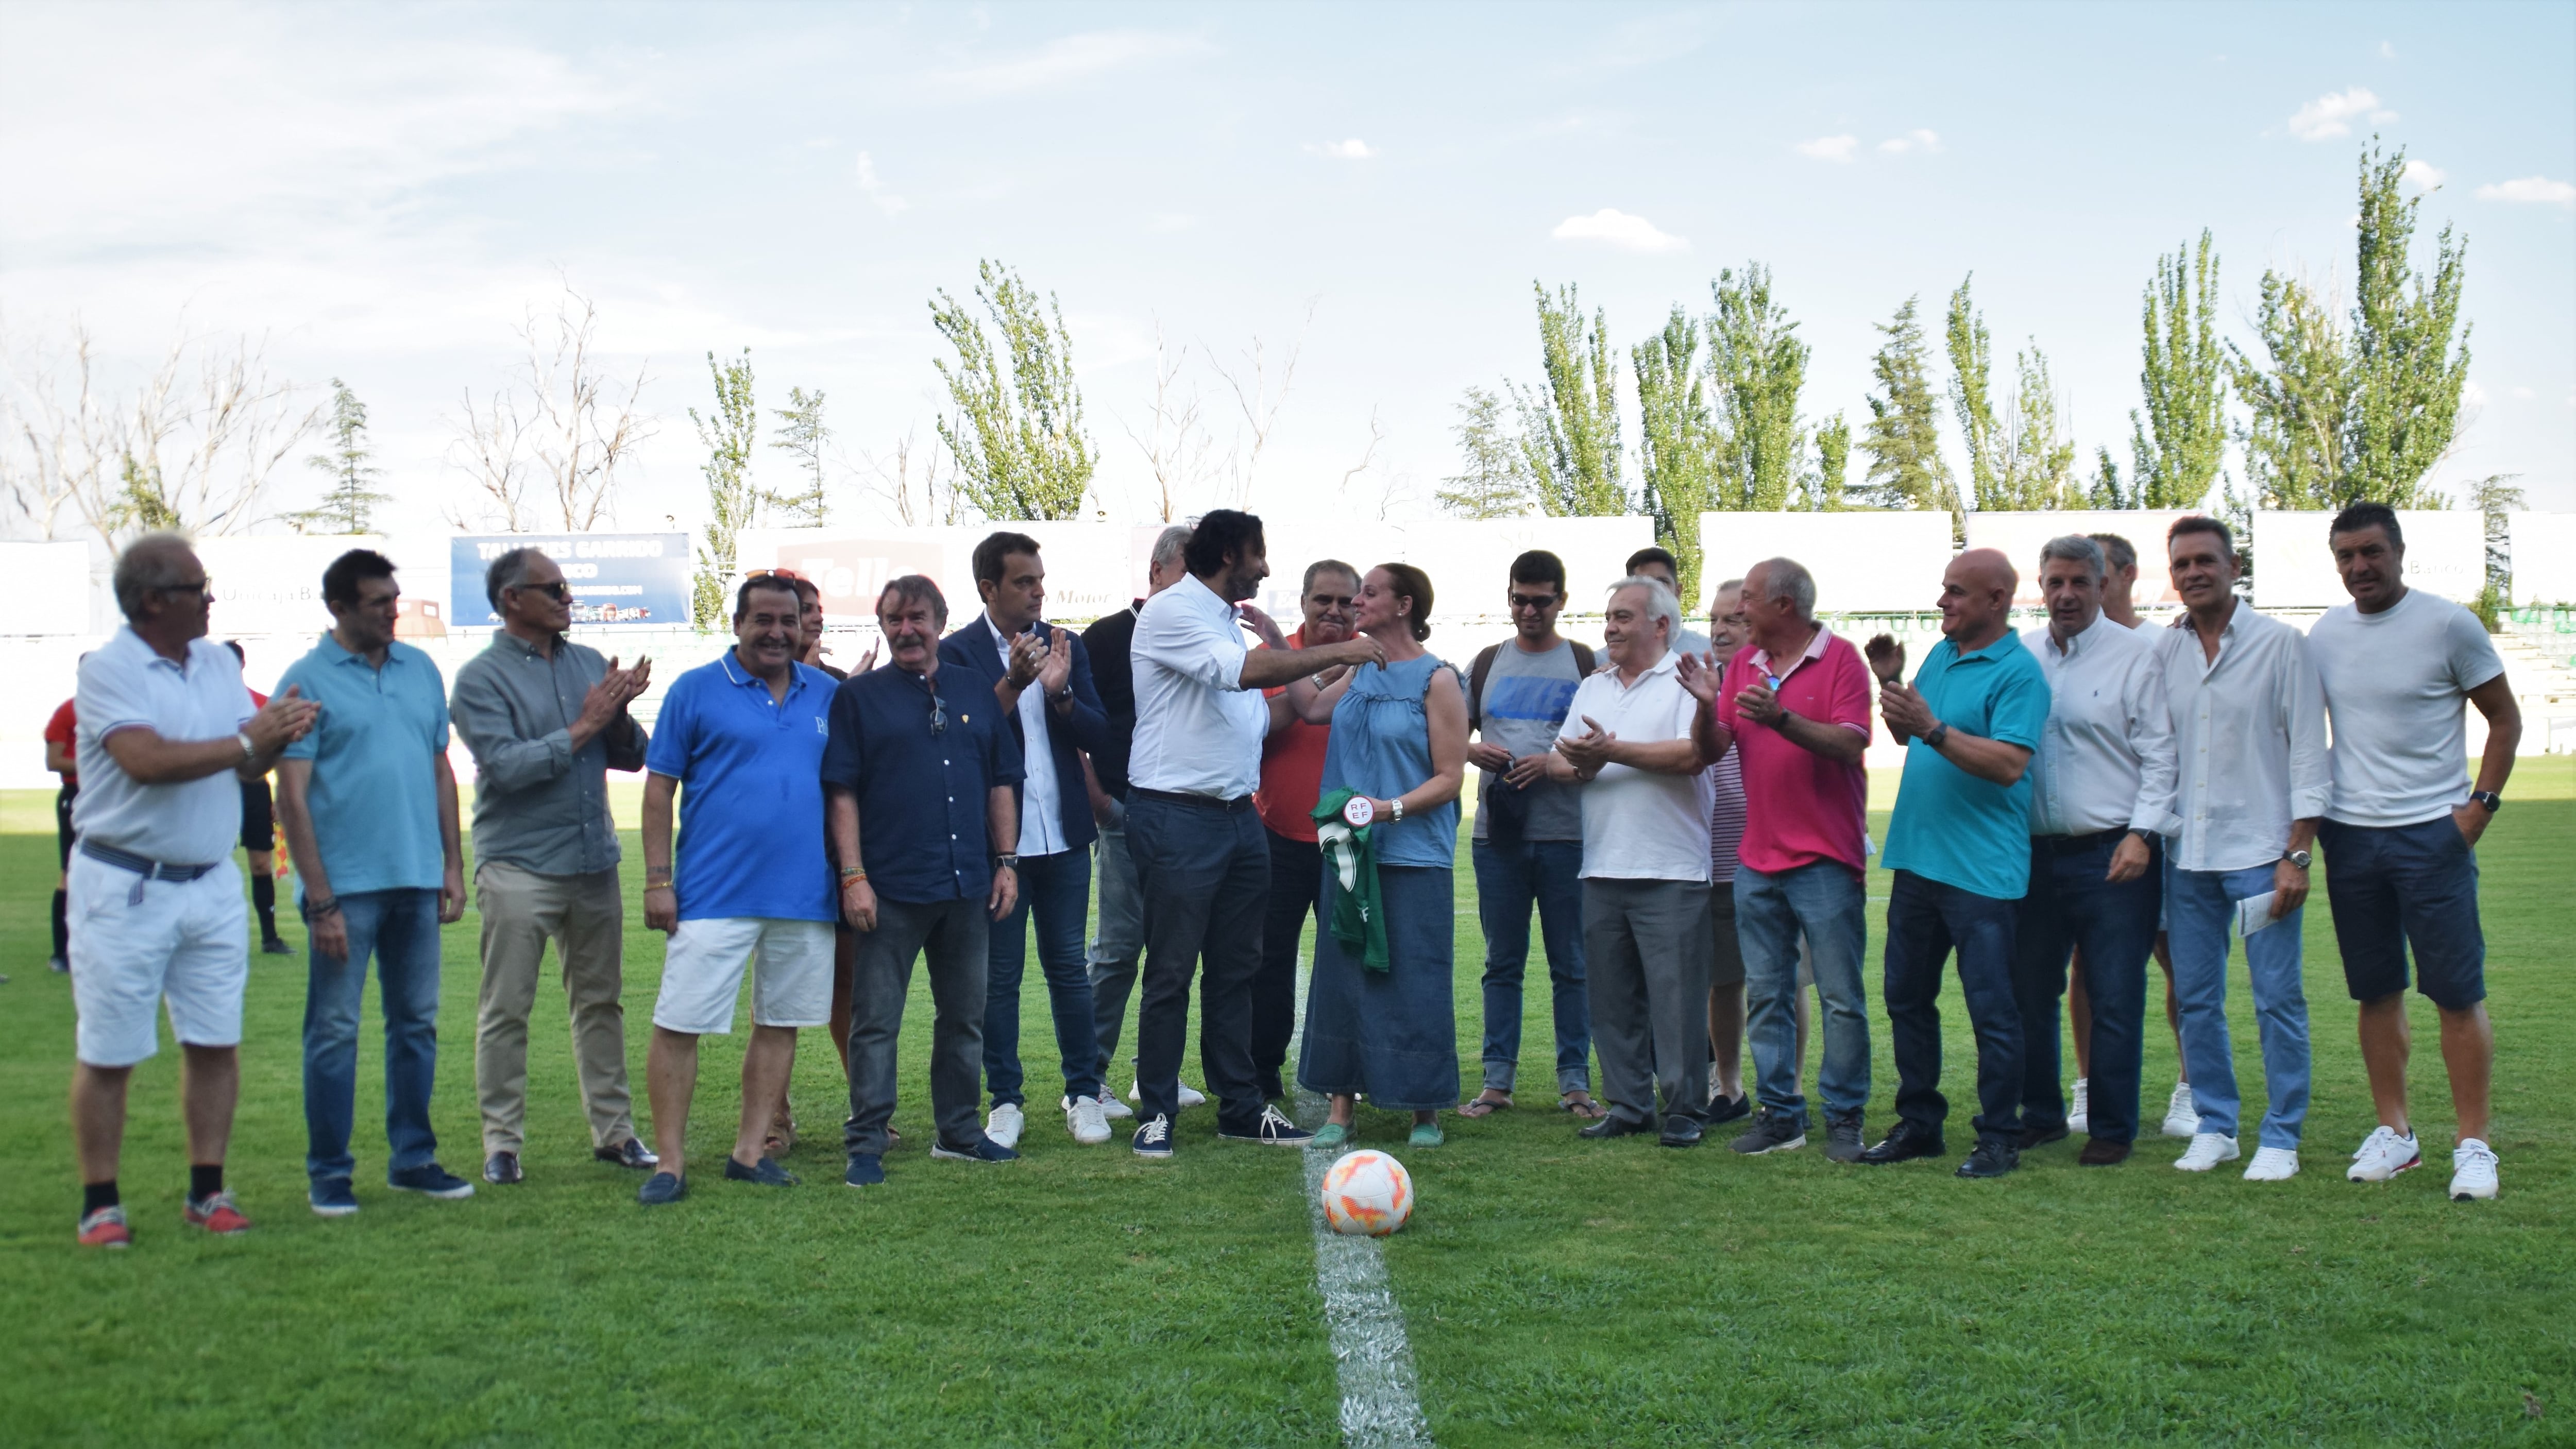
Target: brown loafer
[[2098, 1153]]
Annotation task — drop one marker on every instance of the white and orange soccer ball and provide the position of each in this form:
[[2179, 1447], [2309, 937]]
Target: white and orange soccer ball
[[1367, 1192]]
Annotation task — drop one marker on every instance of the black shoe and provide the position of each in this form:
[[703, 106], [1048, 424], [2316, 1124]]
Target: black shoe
[[867, 1169], [766, 1172], [1993, 1157], [1842, 1137], [2041, 1136], [629, 1153], [275, 946], [59, 965], [502, 1168], [1904, 1142], [982, 1149], [1727, 1109], [2102, 1153], [1681, 1131], [662, 1188], [1273, 1129], [1772, 1132], [1153, 1137], [1614, 1125]]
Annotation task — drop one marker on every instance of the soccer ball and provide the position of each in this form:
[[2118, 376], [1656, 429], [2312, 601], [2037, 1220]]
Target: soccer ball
[[1367, 1192]]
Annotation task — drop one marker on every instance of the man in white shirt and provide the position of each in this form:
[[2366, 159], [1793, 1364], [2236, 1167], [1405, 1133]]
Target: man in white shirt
[[166, 734], [2101, 800], [2251, 784], [1202, 857], [2401, 837], [1629, 741]]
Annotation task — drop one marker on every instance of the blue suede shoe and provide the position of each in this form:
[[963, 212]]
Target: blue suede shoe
[[661, 1188], [334, 1198], [867, 1169]]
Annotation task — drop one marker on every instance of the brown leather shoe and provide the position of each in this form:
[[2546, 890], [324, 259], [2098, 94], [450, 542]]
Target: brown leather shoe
[[2098, 1153]]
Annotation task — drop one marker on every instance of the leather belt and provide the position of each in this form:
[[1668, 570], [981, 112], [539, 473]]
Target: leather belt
[[143, 866], [2079, 844], [1184, 797]]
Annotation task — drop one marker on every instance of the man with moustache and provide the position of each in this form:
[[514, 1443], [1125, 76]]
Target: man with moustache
[[1292, 772]]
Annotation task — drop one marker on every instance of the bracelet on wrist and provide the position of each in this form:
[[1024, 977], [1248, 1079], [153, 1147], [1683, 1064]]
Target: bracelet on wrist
[[854, 872], [327, 906]]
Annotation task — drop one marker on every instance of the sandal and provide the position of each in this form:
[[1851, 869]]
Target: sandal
[[781, 1139], [1582, 1105], [1487, 1104]]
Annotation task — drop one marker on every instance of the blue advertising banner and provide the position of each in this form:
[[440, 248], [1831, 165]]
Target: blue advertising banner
[[616, 578]]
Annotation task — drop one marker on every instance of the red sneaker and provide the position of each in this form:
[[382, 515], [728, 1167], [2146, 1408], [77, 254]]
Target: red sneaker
[[216, 1214], [105, 1229]]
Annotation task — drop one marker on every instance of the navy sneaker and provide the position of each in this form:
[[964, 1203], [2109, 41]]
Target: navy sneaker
[[1154, 1137], [430, 1180], [662, 1188], [1271, 1129], [766, 1172], [982, 1149], [867, 1169], [334, 1198]]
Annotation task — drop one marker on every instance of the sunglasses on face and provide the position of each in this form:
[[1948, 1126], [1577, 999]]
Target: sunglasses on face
[[203, 588], [1530, 601], [559, 591]]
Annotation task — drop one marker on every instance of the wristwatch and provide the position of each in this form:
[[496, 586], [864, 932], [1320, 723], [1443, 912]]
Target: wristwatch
[[1935, 735], [2489, 798], [2299, 858], [1007, 860], [250, 751], [1398, 812]]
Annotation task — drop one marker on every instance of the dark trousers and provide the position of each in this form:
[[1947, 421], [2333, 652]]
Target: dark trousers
[[1926, 922], [1296, 890], [1056, 891], [2071, 906], [1204, 873], [955, 935]]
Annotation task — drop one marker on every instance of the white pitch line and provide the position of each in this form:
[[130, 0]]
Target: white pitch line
[[1381, 1407]]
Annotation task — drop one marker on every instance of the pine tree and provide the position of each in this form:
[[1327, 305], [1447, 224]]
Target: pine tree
[[731, 498], [1570, 431], [1495, 483], [2407, 371], [1676, 441], [2180, 443], [1017, 434], [1758, 364], [801, 435], [350, 503], [1903, 438]]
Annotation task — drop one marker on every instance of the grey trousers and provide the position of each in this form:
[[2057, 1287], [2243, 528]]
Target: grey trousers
[[1117, 943], [953, 934], [1645, 952]]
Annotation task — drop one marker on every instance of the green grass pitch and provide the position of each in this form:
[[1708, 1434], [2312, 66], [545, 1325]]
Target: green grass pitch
[[1555, 1292]]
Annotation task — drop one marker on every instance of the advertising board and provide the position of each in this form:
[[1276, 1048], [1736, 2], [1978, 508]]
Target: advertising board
[[2020, 536], [2446, 554], [616, 578]]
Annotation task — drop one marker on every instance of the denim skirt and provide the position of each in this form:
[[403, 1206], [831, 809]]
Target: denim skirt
[[1391, 1034]]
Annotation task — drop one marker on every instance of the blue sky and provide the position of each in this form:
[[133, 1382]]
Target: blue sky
[[384, 191]]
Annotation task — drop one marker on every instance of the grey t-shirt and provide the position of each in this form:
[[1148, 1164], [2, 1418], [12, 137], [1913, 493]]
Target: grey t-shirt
[[1524, 705]]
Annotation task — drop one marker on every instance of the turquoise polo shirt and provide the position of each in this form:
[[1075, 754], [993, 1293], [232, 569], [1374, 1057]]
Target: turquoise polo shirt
[[1951, 826], [375, 749], [751, 792]]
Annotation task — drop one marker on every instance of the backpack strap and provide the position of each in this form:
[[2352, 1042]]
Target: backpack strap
[[1582, 657], [1476, 676]]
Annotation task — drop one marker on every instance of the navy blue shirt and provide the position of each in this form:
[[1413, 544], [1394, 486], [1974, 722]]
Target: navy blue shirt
[[751, 792], [922, 793]]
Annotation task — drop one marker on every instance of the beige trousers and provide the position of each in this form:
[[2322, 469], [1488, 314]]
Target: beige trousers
[[585, 916]]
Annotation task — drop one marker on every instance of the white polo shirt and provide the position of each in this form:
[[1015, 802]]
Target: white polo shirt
[[1198, 730], [123, 685], [1642, 824]]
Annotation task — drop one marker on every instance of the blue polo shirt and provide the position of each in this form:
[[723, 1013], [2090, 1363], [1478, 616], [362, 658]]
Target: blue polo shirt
[[921, 792], [375, 749], [751, 792], [1951, 826]]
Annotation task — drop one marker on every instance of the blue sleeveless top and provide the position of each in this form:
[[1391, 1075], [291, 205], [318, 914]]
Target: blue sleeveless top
[[1381, 747]]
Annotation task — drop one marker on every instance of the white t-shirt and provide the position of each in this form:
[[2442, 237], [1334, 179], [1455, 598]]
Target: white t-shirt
[[124, 684], [1641, 824], [2396, 687]]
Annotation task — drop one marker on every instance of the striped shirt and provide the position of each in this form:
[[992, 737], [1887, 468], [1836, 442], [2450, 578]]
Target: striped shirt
[[1725, 816]]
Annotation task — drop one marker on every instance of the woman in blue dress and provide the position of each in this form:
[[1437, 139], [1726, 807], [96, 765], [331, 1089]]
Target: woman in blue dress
[[1399, 739]]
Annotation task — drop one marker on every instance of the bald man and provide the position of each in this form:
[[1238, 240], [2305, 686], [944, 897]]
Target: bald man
[[1960, 848]]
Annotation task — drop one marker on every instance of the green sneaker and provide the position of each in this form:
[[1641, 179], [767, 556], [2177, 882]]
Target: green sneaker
[[1332, 1136], [1425, 1134]]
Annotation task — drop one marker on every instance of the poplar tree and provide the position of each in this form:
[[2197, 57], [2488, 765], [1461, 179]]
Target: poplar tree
[[1903, 437], [1971, 366], [1570, 429], [1017, 433], [2296, 398], [350, 503], [2177, 447], [801, 435], [1758, 364], [729, 437], [2038, 462], [2407, 370], [1495, 482], [1822, 491], [1677, 441]]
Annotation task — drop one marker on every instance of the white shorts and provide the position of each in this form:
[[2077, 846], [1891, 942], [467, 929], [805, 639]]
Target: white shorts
[[186, 943], [702, 974]]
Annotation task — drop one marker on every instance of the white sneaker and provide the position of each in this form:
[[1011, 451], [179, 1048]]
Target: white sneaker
[[2383, 1155], [1005, 1125], [1086, 1122], [2272, 1164], [2473, 1170], [2182, 1119], [2079, 1116], [1111, 1109], [2207, 1150], [1189, 1096]]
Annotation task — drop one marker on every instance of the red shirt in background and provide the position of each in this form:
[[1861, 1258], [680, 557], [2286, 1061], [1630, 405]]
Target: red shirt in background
[[1292, 769], [62, 730], [1800, 807]]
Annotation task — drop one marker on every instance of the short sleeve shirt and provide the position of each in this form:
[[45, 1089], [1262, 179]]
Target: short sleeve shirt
[[375, 749], [1641, 824], [124, 684], [2396, 688], [921, 791], [750, 769], [1799, 806], [63, 730], [1292, 769], [1950, 826], [1526, 699]]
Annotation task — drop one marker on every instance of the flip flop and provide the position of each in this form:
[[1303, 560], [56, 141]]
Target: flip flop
[[1485, 1107], [1587, 1107]]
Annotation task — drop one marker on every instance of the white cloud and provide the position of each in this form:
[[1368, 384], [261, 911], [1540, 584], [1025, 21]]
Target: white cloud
[[1917, 139], [886, 201], [2424, 175], [1069, 58], [2330, 115], [1353, 149], [2530, 189], [2472, 396], [1828, 148], [2387, 51], [1619, 229]]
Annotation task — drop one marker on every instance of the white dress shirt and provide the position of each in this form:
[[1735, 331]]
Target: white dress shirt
[[2106, 759], [1041, 812], [2249, 741], [1642, 824], [1198, 730], [125, 683]]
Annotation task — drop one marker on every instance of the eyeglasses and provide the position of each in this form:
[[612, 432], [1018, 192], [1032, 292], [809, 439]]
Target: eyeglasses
[[1530, 601], [203, 588]]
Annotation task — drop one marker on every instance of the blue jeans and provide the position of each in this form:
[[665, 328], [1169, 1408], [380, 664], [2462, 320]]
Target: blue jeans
[[1927, 922], [1056, 889], [1825, 901], [400, 929], [2072, 905], [1512, 876], [2201, 909]]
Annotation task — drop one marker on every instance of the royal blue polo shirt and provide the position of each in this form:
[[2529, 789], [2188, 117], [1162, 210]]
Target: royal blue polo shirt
[[922, 762], [1951, 826], [375, 749], [750, 769]]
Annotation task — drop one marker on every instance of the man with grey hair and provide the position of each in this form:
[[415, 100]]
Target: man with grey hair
[[2102, 796], [1292, 774], [546, 720], [1794, 702], [1628, 742]]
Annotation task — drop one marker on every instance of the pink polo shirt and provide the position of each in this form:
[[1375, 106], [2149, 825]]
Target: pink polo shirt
[[1800, 807]]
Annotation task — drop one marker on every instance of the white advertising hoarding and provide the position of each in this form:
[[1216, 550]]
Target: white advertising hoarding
[[2446, 554], [2544, 557], [272, 584], [1863, 562], [44, 588], [2020, 536]]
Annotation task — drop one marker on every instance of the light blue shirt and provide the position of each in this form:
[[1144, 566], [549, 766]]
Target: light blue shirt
[[375, 749], [1951, 826]]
